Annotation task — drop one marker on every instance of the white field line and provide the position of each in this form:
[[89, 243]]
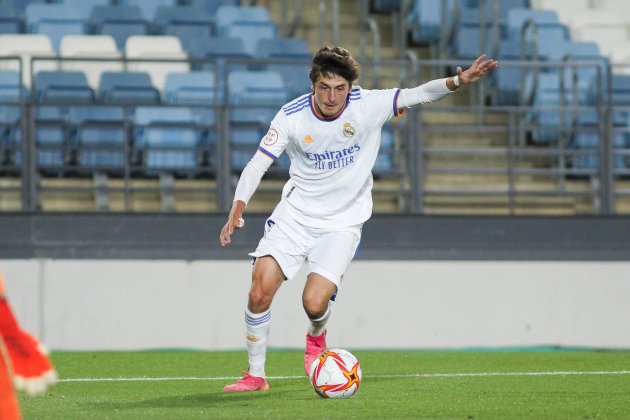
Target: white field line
[[410, 375]]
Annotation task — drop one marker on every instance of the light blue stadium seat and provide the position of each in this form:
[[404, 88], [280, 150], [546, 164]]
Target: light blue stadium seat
[[62, 87], [197, 90], [84, 7], [37, 13], [425, 20], [256, 97], [257, 93], [10, 21], [55, 20], [98, 135], [517, 17], [294, 74], [149, 8], [193, 88], [119, 21], [20, 5], [50, 139], [220, 51], [229, 15], [128, 88], [468, 42], [551, 122], [167, 137], [250, 33], [185, 22], [10, 137], [385, 159], [587, 144], [211, 6], [11, 88]]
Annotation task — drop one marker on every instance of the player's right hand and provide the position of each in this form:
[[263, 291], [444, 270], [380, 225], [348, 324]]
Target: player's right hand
[[228, 229]]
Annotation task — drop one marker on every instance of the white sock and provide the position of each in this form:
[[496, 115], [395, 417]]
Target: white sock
[[257, 327], [318, 326]]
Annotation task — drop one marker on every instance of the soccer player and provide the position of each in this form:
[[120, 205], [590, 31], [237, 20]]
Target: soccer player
[[23, 362], [332, 136]]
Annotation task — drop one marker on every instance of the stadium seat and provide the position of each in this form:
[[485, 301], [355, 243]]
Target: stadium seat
[[425, 20], [11, 88], [98, 136], [518, 17], [219, 51], [54, 20], [192, 88], [385, 159], [550, 124], [587, 143], [167, 138], [584, 74], [161, 47], [211, 6], [26, 46], [50, 139], [185, 22], [119, 21], [91, 47], [128, 88], [250, 33], [229, 15], [256, 97], [469, 33], [294, 74], [197, 90], [10, 137], [84, 7], [10, 20], [62, 87], [149, 8]]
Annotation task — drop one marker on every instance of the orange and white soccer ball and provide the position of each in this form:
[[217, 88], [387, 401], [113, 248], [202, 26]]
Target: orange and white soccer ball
[[335, 373]]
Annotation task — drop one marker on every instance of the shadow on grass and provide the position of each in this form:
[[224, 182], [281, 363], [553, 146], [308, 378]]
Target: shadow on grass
[[288, 390]]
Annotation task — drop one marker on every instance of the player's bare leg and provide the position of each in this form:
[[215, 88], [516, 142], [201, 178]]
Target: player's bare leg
[[267, 277], [316, 302]]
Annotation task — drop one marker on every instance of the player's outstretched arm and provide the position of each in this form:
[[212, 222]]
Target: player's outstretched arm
[[235, 221], [479, 69]]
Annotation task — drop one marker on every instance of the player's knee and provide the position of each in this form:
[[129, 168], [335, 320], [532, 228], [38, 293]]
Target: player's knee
[[259, 299]]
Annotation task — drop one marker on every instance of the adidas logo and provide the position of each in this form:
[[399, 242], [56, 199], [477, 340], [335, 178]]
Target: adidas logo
[[308, 139]]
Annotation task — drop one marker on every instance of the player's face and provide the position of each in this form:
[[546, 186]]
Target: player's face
[[331, 94]]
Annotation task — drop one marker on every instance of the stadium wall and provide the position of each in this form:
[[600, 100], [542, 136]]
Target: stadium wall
[[140, 282]]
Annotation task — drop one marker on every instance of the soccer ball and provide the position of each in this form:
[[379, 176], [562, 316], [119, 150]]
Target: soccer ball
[[335, 373]]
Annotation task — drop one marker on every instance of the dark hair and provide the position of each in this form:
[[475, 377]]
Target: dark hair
[[329, 61]]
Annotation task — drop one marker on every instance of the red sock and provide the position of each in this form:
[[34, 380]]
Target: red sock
[[9, 408]]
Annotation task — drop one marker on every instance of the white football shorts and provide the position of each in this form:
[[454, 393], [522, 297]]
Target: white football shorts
[[328, 251]]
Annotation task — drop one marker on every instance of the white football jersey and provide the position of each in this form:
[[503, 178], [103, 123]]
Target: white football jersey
[[330, 183]]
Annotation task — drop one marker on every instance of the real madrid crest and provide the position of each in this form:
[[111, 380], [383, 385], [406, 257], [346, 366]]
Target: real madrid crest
[[348, 130]]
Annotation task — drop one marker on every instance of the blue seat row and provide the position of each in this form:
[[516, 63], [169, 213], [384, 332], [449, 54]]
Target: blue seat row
[[193, 21]]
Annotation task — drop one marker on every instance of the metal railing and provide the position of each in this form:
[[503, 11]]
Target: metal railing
[[439, 150]]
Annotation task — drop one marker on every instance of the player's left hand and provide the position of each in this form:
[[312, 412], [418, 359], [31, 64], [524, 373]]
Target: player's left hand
[[477, 70]]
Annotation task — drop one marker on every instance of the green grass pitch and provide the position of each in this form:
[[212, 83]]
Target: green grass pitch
[[396, 385]]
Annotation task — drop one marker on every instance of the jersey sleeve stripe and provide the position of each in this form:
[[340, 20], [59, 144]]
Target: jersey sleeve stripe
[[397, 111], [267, 152]]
